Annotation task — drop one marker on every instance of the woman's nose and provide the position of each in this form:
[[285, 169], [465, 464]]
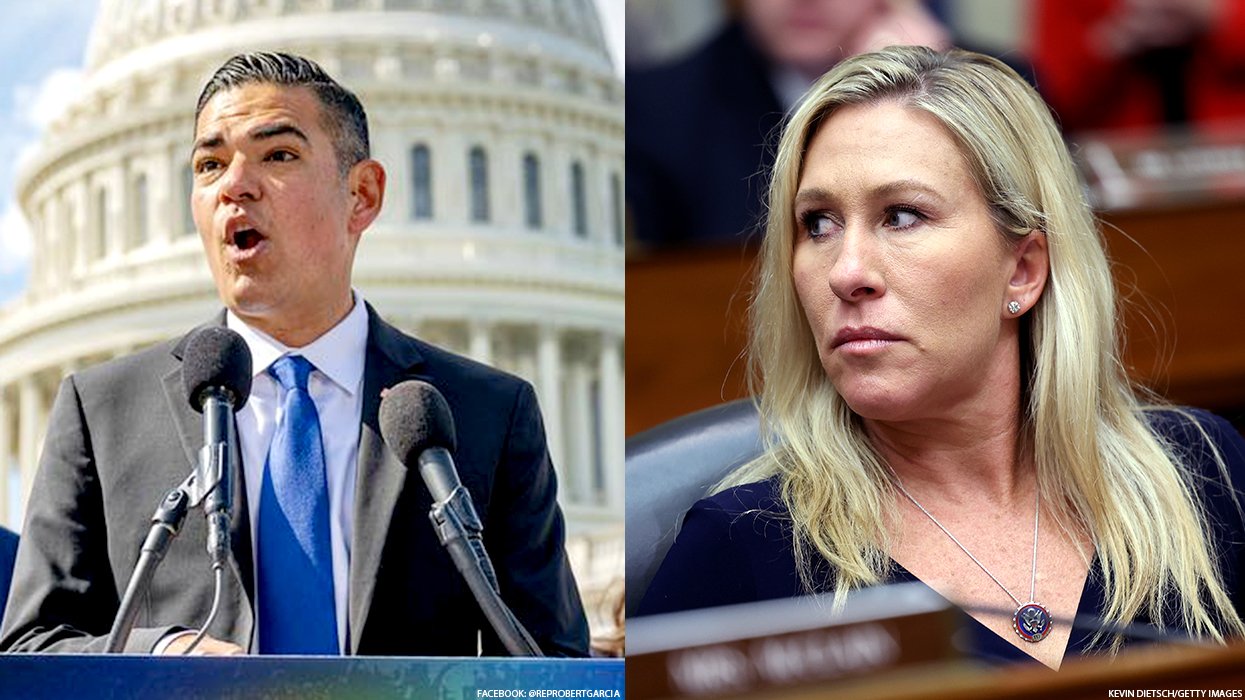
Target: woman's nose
[[856, 274]]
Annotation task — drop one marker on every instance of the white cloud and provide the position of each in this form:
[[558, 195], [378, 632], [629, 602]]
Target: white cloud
[[15, 240], [613, 22], [26, 154], [39, 105]]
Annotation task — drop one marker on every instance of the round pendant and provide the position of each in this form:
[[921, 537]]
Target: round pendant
[[1032, 622]]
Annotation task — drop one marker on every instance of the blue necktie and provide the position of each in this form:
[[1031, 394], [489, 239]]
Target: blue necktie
[[296, 607]]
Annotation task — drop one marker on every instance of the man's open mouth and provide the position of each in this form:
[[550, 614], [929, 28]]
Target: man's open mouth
[[246, 238]]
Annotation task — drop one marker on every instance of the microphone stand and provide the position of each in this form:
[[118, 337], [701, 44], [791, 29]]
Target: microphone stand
[[166, 523], [459, 530]]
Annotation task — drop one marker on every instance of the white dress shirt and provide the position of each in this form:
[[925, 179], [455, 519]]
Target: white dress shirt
[[336, 387]]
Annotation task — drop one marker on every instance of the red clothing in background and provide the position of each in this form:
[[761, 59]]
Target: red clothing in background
[[1088, 89]]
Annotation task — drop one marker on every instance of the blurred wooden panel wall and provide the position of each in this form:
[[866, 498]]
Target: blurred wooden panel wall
[[1180, 270]]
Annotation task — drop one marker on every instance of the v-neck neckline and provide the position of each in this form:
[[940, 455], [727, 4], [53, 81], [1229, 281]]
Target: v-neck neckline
[[985, 643]]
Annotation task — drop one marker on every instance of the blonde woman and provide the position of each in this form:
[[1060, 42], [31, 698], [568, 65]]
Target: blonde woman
[[934, 337]]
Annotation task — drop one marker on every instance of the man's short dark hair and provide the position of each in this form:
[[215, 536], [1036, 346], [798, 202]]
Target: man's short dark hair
[[344, 118]]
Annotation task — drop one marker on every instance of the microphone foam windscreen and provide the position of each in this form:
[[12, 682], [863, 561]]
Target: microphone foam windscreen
[[217, 357], [414, 417]]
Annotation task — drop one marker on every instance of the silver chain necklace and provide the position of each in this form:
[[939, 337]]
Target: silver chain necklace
[[1031, 621]]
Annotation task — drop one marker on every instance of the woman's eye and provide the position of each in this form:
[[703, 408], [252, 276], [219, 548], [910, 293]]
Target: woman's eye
[[818, 225], [902, 218]]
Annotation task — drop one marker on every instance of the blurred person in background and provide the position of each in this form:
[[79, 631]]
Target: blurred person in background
[[697, 128], [941, 391], [1109, 64]]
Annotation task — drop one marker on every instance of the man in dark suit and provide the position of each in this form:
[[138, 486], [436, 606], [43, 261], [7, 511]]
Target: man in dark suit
[[283, 190], [698, 131]]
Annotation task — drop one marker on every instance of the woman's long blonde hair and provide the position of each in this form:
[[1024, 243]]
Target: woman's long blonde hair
[[1099, 465]]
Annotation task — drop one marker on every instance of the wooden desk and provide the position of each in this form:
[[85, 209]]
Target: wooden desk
[[1181, 268], [898, 643], [1142, 669]]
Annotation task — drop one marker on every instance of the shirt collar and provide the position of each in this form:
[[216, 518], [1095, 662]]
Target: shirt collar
[[338, 354]]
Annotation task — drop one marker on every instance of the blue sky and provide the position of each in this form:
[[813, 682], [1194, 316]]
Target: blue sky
[[42, 49]]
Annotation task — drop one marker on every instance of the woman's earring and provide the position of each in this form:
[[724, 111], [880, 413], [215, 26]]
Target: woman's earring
[[1013, 307]]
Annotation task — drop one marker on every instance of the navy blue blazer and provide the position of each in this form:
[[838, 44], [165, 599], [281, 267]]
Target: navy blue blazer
[[735, 547], [697, 135]]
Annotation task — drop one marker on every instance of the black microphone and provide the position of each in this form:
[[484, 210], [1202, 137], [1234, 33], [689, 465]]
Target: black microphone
[[416, 424], [216, 371]]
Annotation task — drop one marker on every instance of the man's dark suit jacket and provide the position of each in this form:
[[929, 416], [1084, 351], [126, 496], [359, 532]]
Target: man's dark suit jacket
[[8, 552], [123, 434]]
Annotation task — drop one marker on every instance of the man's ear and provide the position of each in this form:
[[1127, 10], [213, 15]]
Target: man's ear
[[1031, 267], [367, 194]]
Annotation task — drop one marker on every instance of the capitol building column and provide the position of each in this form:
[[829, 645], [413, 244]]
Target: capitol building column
[[160, 193], [6, 458], [579, 415], [481, 349], [509, 191], [38, 235], [549, 368], [449, 178], [179, 221], [612, 445], [388, 141], [77, 194], [114, 211], [32, 409]]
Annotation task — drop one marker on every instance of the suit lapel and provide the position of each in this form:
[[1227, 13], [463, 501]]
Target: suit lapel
[[391, 356], [190, 427]]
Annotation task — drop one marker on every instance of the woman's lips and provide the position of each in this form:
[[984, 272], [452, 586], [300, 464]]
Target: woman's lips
[[863, 340]]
